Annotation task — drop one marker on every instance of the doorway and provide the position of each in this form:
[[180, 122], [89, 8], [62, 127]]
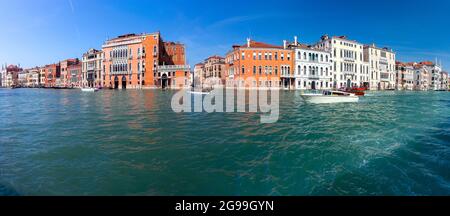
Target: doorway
[[124, 82], [164, 81], [116, 82]]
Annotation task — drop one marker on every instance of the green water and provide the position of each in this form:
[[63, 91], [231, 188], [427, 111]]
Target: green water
[[58, 142]]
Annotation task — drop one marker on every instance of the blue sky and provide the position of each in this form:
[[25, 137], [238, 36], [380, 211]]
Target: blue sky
[[37, 32]]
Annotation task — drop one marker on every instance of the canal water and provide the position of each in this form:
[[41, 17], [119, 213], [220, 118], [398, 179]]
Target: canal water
[[65, 142]]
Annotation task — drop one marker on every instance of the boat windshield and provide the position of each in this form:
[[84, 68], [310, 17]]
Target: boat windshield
[[326, 93]]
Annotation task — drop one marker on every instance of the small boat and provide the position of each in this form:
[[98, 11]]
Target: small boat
[[89, 89], [330, 97], [199, 92]]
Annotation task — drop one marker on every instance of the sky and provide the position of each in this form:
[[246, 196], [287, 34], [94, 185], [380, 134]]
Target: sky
[[39, 32]]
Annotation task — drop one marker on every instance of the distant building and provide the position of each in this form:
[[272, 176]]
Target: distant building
[[32, 77], [444, 80], [52, 74], [421, 78], [2, 76], [261, 64], [404, 76], [93, 73], [211, 72], [10, 75], [42, 76], [199, 75], [64, 80], [74, 73], [382, 71]]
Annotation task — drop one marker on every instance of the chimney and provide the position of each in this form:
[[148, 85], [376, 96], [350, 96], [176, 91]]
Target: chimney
[[296, 41], [248, 42], [285, 44]]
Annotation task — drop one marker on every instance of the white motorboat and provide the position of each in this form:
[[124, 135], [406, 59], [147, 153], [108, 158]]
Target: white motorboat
[[89, 89], [330, 97], [199, 92]]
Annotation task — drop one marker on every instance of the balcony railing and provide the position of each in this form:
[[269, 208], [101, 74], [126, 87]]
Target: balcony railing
[[384, 76]]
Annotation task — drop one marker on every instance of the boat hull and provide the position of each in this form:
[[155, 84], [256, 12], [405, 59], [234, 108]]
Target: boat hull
[[326, 99], [89, 90]]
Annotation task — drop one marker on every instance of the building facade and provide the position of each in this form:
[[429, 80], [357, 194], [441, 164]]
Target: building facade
[[313, 67], [74, 74], [52, 74], [64, 80], [435, 72], [92, 69], [382, 72], [211, 72], [257, 64], [444, 80], [404, 76], [10, 76], [349, 68], [199, 75], [33, 77], [144, 61], [3, 76], [421, 78]]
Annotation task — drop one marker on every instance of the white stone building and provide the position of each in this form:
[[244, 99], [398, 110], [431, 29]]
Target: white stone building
[[435, 72], [348, 66], [2, 77], [421, 78], [382, 73], [404, 76], [312, 67], [92, 70], [444, 80]]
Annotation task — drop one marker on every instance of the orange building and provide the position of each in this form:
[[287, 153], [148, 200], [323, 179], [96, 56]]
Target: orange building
[[73, 76], [144, 61], [52, 72], [262, 63], [65, 78]]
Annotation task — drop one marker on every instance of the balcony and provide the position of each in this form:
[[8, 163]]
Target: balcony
[[384, 76], [314, 76], [349, 73]]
